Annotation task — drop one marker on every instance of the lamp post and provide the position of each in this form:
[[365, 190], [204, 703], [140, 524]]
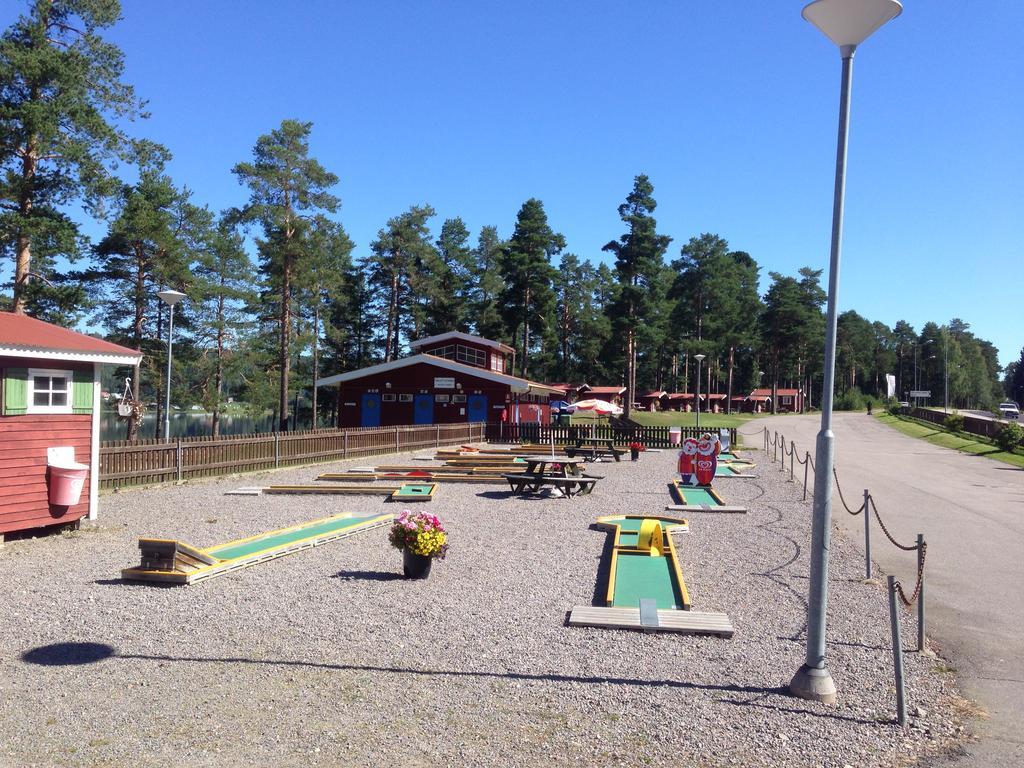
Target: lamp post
[[847, 23], [945, 370], [917, 378], [698, 358], [170, 298]]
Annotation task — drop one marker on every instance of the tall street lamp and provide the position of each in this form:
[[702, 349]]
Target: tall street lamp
[[698, 358], [847, 23], [170, 298], [945, 370]]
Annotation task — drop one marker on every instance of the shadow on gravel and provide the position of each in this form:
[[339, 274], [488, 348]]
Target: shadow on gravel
[[68, 654], [495, 495], [129, 582], [367, 576], [760, 704]]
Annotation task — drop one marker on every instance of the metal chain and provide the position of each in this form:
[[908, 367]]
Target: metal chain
[[908, 602], [861, 508], [886, 530]]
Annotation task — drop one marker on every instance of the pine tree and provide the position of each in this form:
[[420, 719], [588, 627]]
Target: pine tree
[[285, 186], [639, 255], [394, 274], [61, 98], [148, 246], [485, 290], [225, 281], [527, 299], [322, 280], [446, 281]]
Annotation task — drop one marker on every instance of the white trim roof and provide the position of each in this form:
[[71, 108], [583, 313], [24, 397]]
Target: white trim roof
[[462, 337], [45, 353], [517, 385]]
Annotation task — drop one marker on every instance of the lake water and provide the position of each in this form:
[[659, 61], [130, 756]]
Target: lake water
[[185, 425]]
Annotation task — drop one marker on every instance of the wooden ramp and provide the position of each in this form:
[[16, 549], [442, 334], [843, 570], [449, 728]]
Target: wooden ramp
[[686, 622], [174, 562]]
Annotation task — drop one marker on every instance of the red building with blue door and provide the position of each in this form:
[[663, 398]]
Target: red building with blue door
[[450, 378]]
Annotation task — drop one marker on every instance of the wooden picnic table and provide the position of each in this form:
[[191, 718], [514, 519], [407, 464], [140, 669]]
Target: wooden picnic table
[[594, 446], [565, 475]]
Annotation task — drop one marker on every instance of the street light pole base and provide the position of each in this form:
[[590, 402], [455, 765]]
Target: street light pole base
[[814, 684]]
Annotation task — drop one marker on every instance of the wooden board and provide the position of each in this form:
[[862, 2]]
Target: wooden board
[[371, 476], [725, 508], [365, 490], [685, 622]]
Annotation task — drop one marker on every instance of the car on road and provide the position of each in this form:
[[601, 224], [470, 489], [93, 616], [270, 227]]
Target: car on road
[[1009, 411]]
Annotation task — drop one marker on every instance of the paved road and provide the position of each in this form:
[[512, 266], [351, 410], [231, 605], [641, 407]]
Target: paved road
[[971, 511]]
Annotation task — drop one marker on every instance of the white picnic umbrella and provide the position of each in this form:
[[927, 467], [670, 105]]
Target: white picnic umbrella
[[602, 407]]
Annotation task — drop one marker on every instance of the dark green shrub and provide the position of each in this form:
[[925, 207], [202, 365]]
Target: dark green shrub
[[1010, 436], [895, 409], [954, 422], [850, 400]]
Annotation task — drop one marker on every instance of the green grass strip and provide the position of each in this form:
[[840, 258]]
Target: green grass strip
[[936, 435]]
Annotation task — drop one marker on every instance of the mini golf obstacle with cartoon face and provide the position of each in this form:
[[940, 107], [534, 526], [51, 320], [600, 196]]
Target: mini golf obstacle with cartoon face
[[645, 588]]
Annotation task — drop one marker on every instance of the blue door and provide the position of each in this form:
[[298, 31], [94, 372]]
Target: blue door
[[423, 409], [476, 407], [369, 411]]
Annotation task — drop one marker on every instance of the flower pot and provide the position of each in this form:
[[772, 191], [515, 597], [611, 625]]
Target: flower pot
[[415, 566], [634, 454]]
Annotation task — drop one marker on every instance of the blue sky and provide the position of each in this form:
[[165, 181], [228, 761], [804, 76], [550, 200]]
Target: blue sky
[[729, 107]]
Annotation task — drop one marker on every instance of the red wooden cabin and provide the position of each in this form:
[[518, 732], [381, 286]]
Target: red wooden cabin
[[451, 378], [50, 398]]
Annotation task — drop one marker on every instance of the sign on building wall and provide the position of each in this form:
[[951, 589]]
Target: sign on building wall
[[444, 382]]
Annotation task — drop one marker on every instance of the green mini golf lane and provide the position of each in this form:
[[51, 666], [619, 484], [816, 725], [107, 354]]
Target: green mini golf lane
[[698, 497], [640, 576], [276, 539]]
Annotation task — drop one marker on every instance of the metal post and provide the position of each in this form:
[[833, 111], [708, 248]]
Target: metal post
[[813, 680], [945, 371], [807, 467], [177, 459], [344, 445], [775, 448], [170, 347], [396, 439], [920, 594], [867, 536], [897, 653], [792, 458], [277, 449], [437, 436], [697, 398]]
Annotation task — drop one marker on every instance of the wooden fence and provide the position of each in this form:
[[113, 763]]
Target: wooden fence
[[651, 437], [973, 424], [124, 463]]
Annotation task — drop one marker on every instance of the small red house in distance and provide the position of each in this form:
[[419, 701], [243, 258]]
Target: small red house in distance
[[790, 400], [450, 378], [50, 400]]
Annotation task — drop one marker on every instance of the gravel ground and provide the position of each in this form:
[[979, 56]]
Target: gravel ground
[[328, 657]]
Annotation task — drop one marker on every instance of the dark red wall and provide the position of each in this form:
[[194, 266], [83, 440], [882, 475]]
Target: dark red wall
[[419, 379], [23, 443]]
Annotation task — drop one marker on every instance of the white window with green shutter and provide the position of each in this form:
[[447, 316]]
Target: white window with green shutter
[[49, 391], [46, 390]]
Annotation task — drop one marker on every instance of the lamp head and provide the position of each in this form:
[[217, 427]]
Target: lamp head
[[848, 23], [698, 358], [170, 298]]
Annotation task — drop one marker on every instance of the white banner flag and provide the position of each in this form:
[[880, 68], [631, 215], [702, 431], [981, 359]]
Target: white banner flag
[[890, 385]]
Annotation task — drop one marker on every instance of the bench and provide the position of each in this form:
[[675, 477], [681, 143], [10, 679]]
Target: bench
[[595, 448], [533, 483]]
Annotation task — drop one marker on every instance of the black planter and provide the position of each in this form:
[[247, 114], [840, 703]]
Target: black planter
[[415, 566], [634, 454]]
